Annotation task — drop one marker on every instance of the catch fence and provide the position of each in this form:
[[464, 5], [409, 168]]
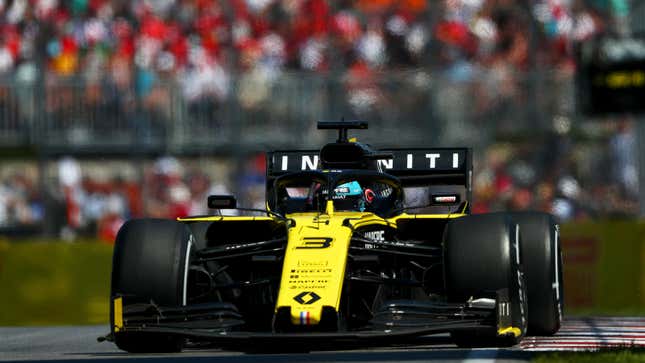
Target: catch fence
[[251, 112]]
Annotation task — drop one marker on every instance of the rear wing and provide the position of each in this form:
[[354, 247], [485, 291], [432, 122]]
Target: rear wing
[[447, 170]]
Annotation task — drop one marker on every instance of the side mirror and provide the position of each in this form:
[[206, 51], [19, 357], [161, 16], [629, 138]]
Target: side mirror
[[222, 202]]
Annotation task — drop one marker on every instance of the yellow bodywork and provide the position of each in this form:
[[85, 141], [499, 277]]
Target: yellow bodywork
[[315, 258], [314, 267], [510, 330], [118, 313]]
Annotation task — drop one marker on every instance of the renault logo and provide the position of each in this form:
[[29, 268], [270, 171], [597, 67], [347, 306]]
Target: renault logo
[[306, 298]]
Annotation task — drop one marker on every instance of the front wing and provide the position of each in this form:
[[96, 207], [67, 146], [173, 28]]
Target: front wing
[[395, 323]]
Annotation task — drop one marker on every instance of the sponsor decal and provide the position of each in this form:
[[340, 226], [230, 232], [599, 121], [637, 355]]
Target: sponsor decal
[[309, 263], [428, 159], [520, 286], [315, 242], [304, 318], [385, 243], [341, 190], [306, 298], [378, 236]]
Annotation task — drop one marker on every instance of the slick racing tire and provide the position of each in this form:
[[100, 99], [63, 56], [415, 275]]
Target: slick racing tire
[[150, 262], [543, 270], [482, 256]]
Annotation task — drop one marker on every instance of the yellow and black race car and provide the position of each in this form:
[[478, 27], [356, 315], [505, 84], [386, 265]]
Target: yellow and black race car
[[355, 245]]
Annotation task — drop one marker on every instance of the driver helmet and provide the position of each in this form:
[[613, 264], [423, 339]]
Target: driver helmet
[[352, 192]]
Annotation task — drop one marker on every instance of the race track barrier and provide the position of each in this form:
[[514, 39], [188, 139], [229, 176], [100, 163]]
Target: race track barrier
[[604, 267]]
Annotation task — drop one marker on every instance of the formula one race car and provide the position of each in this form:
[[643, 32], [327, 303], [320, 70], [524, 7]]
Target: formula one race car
[[355, 245]]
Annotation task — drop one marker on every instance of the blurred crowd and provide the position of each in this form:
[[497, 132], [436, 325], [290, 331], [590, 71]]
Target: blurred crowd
[[132, 56], [21, 203], [99, 203], [126, 53], [134, 59], [199, 43], [573, 181]]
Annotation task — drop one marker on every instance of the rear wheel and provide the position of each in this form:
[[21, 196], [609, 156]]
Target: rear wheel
[[482, 256], [150, 264], [543, 269]]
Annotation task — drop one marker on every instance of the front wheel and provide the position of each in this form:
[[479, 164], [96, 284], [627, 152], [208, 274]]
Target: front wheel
[[482, 256], [150, 265]]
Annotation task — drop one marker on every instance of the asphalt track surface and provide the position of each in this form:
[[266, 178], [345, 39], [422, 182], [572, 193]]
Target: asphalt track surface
[[79, 344]]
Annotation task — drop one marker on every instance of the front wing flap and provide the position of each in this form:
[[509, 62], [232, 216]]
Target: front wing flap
[[248, 340], [395, 322]]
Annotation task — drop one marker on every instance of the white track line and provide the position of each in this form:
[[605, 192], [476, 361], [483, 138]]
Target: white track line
[[481, 356]]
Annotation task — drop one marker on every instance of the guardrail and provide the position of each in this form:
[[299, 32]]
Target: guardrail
[[418, 106]]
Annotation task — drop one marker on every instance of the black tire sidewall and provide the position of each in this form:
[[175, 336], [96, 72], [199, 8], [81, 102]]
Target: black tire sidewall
[[543, 268]]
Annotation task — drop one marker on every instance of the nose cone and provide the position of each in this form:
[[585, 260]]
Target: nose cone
[[313, 270]]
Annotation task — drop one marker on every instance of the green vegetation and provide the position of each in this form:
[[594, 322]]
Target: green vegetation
[[615, 356], [54, 283]]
